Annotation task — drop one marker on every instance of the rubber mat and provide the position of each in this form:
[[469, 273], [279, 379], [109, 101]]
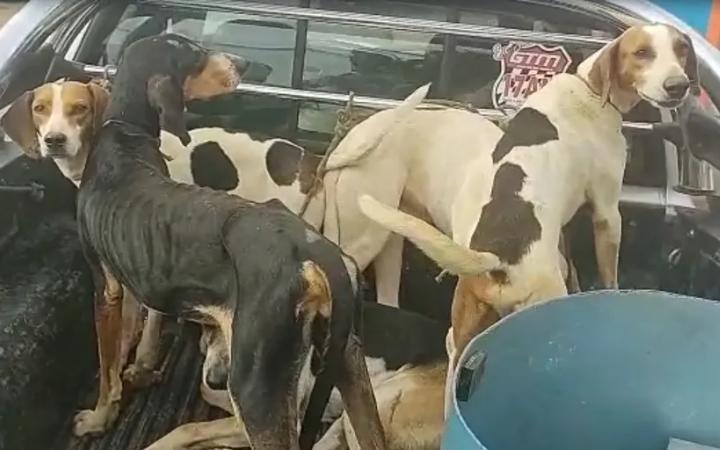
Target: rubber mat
[[150, 413]]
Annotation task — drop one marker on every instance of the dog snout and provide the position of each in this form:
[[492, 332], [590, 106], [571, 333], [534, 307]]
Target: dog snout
[[241, 64], [55, 142], [677, 86], [216, 378]]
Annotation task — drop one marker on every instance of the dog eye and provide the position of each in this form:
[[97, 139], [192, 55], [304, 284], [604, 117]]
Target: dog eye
[[643, 53], [39, 109], [79, 109]]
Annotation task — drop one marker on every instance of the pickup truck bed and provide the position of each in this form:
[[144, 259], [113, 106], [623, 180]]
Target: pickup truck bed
[[154, 411]]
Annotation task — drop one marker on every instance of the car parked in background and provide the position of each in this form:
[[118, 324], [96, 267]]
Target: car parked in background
[[306, 56]]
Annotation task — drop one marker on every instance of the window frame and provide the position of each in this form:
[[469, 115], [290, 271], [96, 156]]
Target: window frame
[[636, 195]]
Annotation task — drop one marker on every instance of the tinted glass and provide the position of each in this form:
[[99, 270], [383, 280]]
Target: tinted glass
[[387, 63]]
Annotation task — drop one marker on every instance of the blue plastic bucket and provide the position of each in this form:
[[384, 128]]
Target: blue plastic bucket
[[595, 371]]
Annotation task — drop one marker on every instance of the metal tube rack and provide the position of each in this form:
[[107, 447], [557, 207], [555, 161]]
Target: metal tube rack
[[340, 99], [385, 22]]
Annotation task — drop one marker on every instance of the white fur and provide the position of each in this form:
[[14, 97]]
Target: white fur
[[585, 164], [58, 123], [664, 66], [72, 164], [424, 159], [248, 157]]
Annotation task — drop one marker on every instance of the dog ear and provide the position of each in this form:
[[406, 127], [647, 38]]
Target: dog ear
[[166, 96], [18, 124], [603, 74], [101, 98], [691, 67]]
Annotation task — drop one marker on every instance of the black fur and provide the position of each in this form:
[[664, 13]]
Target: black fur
[[283, 162], [401, 337], [528, 127], [212, 168], [507, 225], [177, 247]]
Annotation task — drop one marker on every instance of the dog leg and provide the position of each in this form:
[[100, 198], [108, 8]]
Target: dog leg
[[345, 223], [570, 274], [142, 372], [388, 271], [217, 398], [607, 227], [132, 325], [357, 394], [204, 435], [108, 324], [263, 393]]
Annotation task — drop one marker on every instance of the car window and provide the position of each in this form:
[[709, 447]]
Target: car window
[[386, 63]]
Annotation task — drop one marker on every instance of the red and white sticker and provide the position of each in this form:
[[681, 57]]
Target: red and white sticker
[[525, 68]]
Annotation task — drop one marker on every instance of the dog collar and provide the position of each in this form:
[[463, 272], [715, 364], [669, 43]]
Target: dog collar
[[595, 94]]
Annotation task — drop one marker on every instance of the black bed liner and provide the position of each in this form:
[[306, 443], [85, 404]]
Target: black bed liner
[[152, 412]]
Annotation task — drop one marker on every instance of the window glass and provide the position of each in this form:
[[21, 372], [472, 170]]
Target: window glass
[[386, 63], [376, 62], [267, 43], [415, 10]]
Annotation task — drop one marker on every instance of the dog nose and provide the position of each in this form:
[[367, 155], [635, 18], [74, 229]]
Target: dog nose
[[216, 380], [241, 64], [55, 139], [676, 87]]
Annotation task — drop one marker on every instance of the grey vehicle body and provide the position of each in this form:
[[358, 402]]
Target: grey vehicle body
[[671, 220]]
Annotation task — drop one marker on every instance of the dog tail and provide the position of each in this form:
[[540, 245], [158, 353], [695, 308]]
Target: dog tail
[[448, 254], [355, 146]]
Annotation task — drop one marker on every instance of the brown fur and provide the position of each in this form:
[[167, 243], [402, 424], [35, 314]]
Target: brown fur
[[416, 421], [621, 65], [618, 67], [83, 106], [471, 314], [317, 298], [211, 80]]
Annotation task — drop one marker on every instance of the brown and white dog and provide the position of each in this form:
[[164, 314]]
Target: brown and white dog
[[407, 369], [505, 210], [59, 120]]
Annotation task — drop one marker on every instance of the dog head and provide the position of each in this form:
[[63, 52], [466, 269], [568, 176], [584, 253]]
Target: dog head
[[56, 120], [175, 71], [653, 62]]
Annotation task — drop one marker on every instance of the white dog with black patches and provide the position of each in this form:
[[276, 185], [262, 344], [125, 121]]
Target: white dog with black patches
[[506, 210]]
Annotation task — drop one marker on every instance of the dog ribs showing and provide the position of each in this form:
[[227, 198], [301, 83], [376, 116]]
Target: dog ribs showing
[[203, 254]]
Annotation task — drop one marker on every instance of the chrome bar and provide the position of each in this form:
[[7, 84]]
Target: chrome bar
[[341, 99], [385, 22], [650, 197]]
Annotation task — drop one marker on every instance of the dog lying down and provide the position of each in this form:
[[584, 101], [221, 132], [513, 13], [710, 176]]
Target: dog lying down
[[406, 358]]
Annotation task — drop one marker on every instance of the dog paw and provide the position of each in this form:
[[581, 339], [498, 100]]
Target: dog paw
[[138, 377], [94, 421]]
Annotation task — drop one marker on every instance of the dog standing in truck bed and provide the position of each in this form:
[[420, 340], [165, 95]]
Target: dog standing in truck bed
[[277, 289], [59, 121], [562, 149]]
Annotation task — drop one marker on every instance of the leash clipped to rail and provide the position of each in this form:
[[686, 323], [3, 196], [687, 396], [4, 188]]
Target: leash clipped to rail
[[345, 121]]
